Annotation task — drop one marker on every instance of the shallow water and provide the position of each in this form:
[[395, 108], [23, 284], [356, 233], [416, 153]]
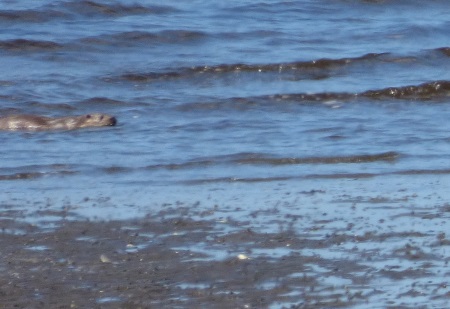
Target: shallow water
[[304, 107]]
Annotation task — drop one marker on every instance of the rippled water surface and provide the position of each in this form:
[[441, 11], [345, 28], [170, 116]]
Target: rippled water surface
[[306, 107]]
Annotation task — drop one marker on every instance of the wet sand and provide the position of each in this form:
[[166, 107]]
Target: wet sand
[[136, 264], [187, 257]]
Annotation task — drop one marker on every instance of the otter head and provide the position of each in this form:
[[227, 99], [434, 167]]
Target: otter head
[[98, 120]]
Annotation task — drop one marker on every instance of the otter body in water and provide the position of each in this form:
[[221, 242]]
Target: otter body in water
[[40, 123]]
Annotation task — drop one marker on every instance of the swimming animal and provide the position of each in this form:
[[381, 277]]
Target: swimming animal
[[41, 123]]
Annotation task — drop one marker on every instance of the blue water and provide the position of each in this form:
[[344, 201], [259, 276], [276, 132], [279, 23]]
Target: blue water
[[236, 104]]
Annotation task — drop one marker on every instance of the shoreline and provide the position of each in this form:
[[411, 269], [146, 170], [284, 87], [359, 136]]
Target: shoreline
[[185, 257]]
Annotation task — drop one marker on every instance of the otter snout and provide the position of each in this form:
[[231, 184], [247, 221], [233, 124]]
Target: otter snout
[[112, 121]]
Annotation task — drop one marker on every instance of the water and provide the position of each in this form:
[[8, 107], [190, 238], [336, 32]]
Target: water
[[239, 104]]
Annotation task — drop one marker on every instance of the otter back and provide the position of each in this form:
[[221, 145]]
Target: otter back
[[41, 123]]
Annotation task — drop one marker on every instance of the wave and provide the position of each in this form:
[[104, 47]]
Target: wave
[[169, 36], [34, 175], [264, 159], [423, 91], [297, 67], [425, 172], [137, 38], [280, 67], [444, 50], [35, 171], [234, 179], [19, 176], [278, 178], [28, 45], [241, 67], [101, 101], [386, 156], [29, 16], [120, 170], [85, 8], [95, 8], [239, 159], [305, 70], [434, 90], [315, 176]]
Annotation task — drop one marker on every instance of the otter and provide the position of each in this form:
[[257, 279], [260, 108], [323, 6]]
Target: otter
[[41, 123]]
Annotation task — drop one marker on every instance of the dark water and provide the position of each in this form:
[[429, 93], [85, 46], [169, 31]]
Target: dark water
[[320, 106]]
